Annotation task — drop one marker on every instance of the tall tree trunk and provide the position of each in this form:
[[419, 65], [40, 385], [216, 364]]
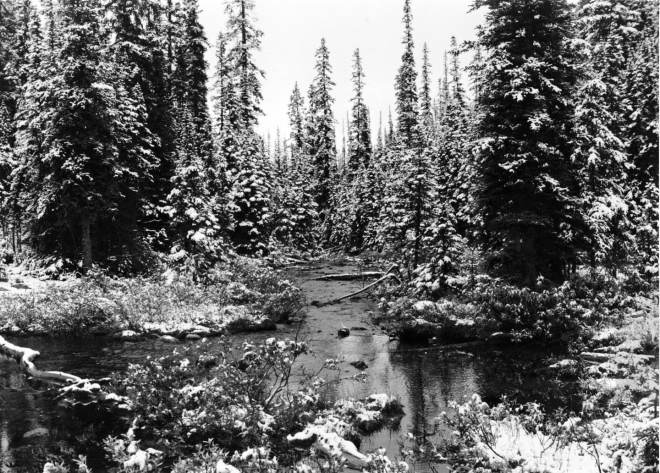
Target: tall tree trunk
[[86, 239]]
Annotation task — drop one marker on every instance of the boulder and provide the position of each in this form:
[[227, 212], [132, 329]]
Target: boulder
[[359, 364], [36, 432], [343, 332], [424, 306], [222, 467], [127, 335], [419, 330]]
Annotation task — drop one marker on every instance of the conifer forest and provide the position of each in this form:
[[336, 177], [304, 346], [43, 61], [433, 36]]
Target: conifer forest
[[466, 281]]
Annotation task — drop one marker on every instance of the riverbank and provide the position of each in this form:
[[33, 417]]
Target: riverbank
[[245, 295], [609, 329], [614, 430], [487, 309]]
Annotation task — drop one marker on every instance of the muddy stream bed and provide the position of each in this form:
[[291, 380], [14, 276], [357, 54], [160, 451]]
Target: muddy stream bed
[[424, 378]]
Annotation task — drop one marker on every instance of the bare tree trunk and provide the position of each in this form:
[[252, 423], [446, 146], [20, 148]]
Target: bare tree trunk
[[86, 239]]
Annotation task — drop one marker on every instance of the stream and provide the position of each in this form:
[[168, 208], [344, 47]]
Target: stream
[[424, 378]]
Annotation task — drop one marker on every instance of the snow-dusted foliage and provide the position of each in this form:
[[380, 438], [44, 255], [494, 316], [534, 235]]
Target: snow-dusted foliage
[[528, 192], [545, 163], [320, 146]]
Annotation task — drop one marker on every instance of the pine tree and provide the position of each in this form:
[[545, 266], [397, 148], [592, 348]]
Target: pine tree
[[140, 64], [195, 221], [457, 90], [296, 127], [243, 153], [527, 195], [75, 183], [599, 153], [191, 50], [320, 131], [359, 126], [244, 39], [8, 98], [406, 85], [425, 105], [457, 184]]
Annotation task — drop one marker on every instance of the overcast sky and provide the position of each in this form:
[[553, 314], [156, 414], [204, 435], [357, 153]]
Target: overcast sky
[[293, 30]]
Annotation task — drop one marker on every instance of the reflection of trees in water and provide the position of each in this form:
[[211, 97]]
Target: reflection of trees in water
[[522, 375], [433, 378]]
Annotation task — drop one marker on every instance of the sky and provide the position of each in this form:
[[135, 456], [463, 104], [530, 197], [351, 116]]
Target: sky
[[293, 30]]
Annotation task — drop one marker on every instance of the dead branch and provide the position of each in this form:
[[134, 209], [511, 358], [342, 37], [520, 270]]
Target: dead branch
[[388, 274], [25, 357]]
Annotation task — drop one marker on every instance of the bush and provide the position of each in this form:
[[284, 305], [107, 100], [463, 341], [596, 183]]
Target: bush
[[100, 303]]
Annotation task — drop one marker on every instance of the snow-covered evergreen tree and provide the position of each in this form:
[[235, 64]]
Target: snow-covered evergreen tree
[[528, 191], [359, 125], [457, 181], [406, 85], [76, 182], [321, 147], [425, 103], [296, 116]]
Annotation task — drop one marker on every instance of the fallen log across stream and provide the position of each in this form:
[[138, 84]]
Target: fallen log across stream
[[350, 276], [387, 275], [25, 357]]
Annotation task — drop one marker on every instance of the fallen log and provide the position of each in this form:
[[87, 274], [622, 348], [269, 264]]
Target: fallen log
[[385, 277], [349, 276], [25, 357], [604, 357]]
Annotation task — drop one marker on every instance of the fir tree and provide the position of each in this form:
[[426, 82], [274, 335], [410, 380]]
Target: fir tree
[[77, 177], [425, 105], [406, 85], [320, 130], [527, 195], [296, 127], [359, 126], [244, 39]]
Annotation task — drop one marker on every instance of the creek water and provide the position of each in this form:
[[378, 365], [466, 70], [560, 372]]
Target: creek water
[[424, 378]]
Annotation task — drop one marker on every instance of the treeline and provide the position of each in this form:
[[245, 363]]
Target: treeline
[[110, 153]]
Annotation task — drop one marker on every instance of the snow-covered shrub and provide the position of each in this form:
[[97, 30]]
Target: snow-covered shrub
[[285, 303], [182, 400]]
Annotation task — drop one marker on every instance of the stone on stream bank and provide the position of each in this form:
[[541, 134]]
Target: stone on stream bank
[[336, 429]]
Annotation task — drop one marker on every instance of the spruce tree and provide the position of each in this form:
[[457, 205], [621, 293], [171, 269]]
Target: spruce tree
[[599, 123], [242, 151], [406, 85], [75, 177], [195, 224], [320, 131], [296, 127], [425, 105], [527, 195], [457, 181], [359, 126], [244, 39]]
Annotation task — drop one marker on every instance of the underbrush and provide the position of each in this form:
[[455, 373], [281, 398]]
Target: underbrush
[[477, 308], [615, 431], [237, 410], [99, 303]]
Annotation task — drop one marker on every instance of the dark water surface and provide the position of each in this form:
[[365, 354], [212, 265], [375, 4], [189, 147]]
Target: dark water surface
[[425, 379]]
